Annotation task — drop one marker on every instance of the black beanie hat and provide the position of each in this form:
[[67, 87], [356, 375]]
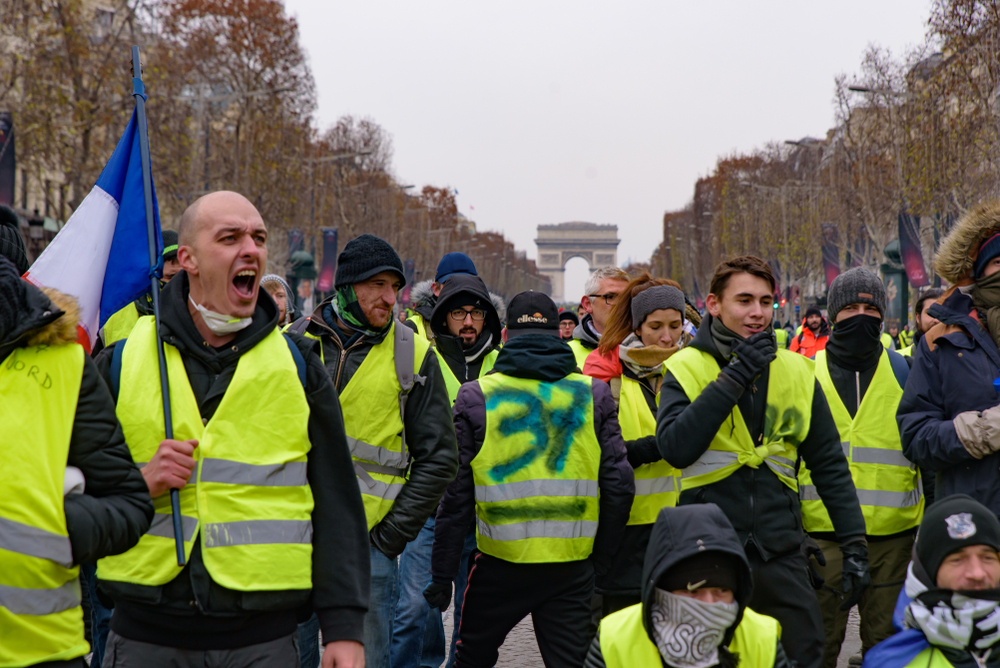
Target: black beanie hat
[[707, 569], [813, 310], [365, 256], [11, 242], [949, 525]]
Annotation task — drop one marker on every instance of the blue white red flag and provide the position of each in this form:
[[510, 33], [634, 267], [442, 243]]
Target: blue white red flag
[[101, 256]]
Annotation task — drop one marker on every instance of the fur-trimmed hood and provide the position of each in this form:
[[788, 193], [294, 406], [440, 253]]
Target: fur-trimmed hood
[[45, 317], [423, 298], [957, 253]]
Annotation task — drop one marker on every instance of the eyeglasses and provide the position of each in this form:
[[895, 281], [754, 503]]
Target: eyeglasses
[[609, 298], [461, 314]]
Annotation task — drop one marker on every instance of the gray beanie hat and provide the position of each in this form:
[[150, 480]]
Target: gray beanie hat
[[855, 286], [653, 299]]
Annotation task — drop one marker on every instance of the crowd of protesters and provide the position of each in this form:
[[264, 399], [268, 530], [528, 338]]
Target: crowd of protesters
[[652, 484]]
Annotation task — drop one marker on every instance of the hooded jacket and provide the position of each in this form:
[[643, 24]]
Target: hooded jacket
[[424, 300], [762, 509], [430, 435], [465, 364], [115, 509], [549, 359], [194, 612], [585, 332], [675, 537], [809, 343]]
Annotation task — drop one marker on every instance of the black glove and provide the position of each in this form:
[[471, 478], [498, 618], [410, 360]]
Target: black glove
[[438, 595], [855, 577], [811, 549], [642, 451], [750, 357]]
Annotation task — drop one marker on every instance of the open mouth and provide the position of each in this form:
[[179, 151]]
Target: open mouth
[[243, 282]]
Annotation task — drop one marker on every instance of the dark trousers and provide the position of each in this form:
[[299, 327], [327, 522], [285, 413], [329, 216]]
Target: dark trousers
[[501, 594], [782, 589], [124, 653]]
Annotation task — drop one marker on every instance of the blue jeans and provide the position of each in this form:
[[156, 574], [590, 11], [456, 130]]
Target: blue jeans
[[417, 628], [100, 617], [309, 643], [461, 582], [381, 607]]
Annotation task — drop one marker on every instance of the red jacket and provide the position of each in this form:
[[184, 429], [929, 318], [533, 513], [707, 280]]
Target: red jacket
[[808, 343]]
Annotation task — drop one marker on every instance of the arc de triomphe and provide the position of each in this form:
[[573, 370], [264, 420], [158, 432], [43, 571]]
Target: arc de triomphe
[[558, 244]]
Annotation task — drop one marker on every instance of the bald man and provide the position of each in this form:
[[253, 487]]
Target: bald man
[[274, 526]]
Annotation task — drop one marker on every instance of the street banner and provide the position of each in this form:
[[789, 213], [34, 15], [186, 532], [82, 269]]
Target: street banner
[[296, 241], [409, 271], [831, 263], [101, 255], [329, 267], [909, 250], [7, 159]]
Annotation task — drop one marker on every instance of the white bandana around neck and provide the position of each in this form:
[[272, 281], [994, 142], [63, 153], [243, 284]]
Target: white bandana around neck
[[220, 324], [688, 631], [962, 623]]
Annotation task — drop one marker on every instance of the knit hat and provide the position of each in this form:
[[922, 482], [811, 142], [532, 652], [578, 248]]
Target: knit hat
[[454, 263], [169, 245], [987, 251], [855, 286], [566, 314], [289, 297], [949, 525], [532, 312], [364, 257], [813, 310], [653, 299], [706, 569], [11, 241]]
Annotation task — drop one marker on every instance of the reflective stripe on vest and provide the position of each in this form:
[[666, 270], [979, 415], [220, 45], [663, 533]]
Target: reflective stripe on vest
[[452, 383], [888, 485], [536, 473], [119, 325], [626, 644], [40, 615], [655, 483], [790, 389], [371, 404], [248, 498]]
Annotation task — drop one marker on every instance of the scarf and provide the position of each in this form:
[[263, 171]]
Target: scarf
[[349, 311], [854, 343], [687, 631], [723, 337], [968, 621], [644, 361], [986, 297]]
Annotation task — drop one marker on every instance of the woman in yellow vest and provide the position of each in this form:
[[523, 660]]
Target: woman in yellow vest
[[696, 582], [644, 329], [71, 493]]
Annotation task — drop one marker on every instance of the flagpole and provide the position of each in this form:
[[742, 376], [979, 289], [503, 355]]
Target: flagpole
[[139, 92]]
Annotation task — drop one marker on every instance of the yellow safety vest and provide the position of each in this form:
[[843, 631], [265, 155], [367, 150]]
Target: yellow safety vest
[[789, 412], [656, 484], [423, 326], [905, 338], [907, 351], [40, 615], [626, 644], [930, 657], [580, 352], [781, 337], [886, 341], [888, 485], [451, 381], [120, 324], [372, 404], [248, 498], [536, 473]]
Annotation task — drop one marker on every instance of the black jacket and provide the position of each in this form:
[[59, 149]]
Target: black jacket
[[115, 509], [549, 359], [676, 536], [762, 509], [430, 436], [465, 364], [194, 612]]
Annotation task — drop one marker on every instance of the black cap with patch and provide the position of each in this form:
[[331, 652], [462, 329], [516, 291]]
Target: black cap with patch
[[532, 313], [949, 525]]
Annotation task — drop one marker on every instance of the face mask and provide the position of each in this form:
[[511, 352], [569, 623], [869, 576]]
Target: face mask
[[220, 324], [688, 631]]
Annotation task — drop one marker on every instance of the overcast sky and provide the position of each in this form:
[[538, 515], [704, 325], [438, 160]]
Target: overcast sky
[[546, 112]]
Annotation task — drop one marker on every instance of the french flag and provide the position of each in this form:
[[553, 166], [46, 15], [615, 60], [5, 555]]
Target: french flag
[[101, 256]]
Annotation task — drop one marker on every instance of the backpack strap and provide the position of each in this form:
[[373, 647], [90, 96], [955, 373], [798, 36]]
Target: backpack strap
[[403, 353], [299, 326], [116, 366], [616, 389], [900, 368], [300, 362]]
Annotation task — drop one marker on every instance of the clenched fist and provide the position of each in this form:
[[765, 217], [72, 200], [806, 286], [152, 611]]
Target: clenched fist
[[171, 466]]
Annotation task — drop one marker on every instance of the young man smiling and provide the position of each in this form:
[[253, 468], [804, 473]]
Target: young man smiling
[[736, 413]]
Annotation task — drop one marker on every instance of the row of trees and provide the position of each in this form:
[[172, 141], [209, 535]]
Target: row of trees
[[919, 135], [231, 104]]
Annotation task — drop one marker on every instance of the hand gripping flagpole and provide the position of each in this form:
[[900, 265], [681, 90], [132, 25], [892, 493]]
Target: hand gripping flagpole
[[139, 92]]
